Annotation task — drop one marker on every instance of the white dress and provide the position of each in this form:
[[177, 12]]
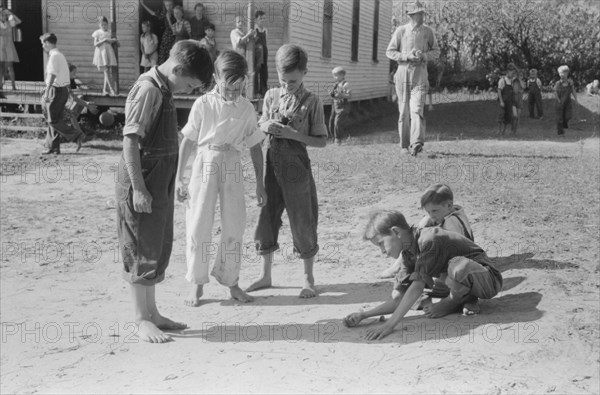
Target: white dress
[[104, 55]]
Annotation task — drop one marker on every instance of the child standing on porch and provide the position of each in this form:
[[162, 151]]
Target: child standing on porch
[[104, 55], [222, 123], [149, 47]]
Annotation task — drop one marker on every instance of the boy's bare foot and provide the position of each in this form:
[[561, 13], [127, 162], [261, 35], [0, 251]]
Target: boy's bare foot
[[238, 294], [352, 320], [150, 333], [261, 283], [193, 299], [167, 324], [440, 309], [308, 291], [471, 306]]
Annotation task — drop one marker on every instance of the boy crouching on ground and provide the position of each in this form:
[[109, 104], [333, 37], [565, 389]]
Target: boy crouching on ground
[[470, 274]]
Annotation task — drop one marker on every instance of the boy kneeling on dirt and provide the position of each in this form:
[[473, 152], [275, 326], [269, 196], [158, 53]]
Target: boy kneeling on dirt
[[470, 274]]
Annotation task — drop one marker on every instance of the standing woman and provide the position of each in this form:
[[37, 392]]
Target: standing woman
[[8, 52], [166, 19], [181, 28]]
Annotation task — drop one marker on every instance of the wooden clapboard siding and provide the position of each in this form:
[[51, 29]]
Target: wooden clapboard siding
[[368, 79], [74, 22]]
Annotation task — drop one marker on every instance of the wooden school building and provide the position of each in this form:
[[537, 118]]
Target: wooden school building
[[350, 33]]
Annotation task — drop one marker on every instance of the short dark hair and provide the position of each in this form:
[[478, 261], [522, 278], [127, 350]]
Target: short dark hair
[[72, 67], [258, 13], [381, 222], [198, 5], [231, 66], [209, 26], [49, 37], [291, 57], [194, 58], [102, 19], [437, 194]]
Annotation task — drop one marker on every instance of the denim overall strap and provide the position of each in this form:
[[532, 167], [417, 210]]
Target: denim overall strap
[[162, 138]]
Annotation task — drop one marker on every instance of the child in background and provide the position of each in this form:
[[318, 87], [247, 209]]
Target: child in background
[[340, 108], [221, 124], [76, 83], [238, 38], [293, 118], [149, 47], [533, 88], [518, 92], [104, 55], [564, 89], [593, 88], [209, 41], [506, 98], [438, 253], [261, 54], [145, 189]]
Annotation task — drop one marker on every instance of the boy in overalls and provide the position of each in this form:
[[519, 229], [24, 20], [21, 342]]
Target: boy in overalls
[[293, 117], [146, 180], [534, 91]]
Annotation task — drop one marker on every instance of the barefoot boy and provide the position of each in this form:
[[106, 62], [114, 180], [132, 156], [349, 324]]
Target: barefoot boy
[[221, 124], [146, 183], [438, 202], [470, 275], [293, 118]]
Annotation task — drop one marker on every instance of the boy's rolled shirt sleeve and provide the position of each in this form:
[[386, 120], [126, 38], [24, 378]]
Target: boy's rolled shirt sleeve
[[191, 130], [267, 102], [252, 133], [317, 120], [425, 267], [142, 106]]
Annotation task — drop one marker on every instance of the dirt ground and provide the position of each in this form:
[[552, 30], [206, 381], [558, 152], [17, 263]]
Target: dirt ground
[[533, 202]]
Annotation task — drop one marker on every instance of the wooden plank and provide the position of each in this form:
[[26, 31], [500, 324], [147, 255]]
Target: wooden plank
[[23, 128], [19, 115]]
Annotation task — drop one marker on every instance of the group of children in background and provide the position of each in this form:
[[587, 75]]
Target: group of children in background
[[512, 90]]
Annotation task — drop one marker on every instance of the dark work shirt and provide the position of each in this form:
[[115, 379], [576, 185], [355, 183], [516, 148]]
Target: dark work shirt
[[198, 27]]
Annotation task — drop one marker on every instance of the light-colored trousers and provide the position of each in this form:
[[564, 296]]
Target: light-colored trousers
[[215, 174], [411, 88]]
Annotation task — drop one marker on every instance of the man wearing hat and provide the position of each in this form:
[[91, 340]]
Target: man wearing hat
[[412, 45]]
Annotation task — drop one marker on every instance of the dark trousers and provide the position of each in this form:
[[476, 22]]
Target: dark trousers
[[54, 115], [337, 121], [290, 186], [146, 240], [261, 75], [535, 103]]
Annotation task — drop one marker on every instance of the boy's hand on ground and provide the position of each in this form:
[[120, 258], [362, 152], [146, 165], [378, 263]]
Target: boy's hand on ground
[[142, 201], [379, 333]]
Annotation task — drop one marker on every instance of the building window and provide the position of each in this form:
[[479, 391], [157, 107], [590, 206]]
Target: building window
[[375, 31], [327, 28], [355, 21]]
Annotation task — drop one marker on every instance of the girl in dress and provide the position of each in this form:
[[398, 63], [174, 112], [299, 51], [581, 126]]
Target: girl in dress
[[149, 46], [104, 55], [181, 28], [8, 52]]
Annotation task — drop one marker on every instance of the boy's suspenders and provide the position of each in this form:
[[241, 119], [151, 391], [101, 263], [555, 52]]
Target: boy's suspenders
[[465, 231]]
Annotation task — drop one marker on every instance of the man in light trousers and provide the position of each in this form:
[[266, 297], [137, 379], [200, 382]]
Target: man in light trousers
[[412, 45]]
